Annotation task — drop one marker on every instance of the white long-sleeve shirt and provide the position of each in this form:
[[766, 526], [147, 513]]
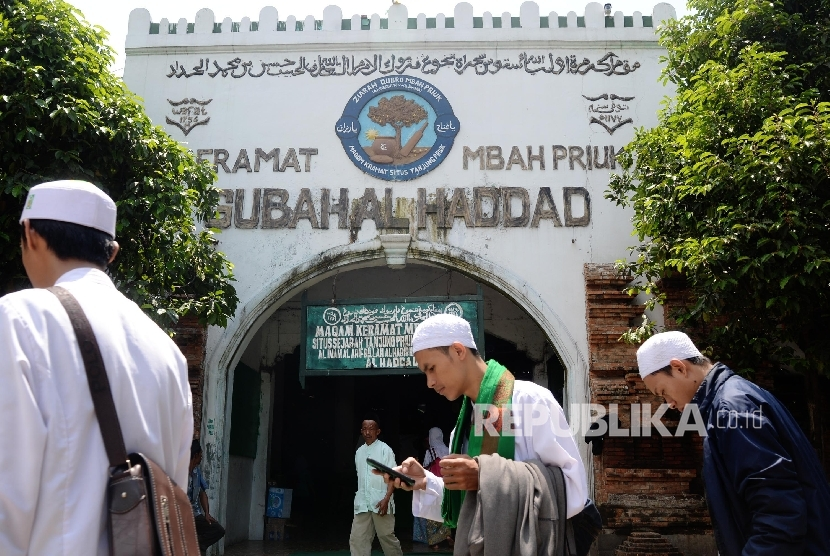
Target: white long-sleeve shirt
[[53, 466], [549, 441]]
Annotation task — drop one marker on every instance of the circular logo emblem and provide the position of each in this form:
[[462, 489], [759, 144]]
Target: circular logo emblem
[[397, 128], [331, 316], [454, 309]]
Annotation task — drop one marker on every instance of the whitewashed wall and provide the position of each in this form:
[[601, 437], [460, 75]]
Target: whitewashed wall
[[211, 76]]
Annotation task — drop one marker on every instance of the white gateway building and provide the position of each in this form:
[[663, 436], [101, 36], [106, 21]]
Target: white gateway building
[[376, 170]]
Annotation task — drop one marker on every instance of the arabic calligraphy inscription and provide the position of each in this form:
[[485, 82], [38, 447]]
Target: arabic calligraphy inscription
[[332, 66]]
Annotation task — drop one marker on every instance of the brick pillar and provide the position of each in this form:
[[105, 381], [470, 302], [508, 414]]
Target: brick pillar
[[641, 483], [191, 337]]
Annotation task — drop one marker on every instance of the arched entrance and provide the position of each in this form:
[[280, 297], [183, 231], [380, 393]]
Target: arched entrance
[[305, 439]]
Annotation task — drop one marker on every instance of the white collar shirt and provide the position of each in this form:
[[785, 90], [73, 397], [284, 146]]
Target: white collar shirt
[[370, 487], [53, 466]]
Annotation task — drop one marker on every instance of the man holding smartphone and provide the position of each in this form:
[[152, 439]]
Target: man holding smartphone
[[374, 509], [446, 353]]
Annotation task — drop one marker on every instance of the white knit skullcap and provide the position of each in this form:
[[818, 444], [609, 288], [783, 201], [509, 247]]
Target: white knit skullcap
[[442, 330], [73, 201], [658, 351]]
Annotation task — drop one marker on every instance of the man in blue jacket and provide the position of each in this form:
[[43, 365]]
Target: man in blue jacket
[[766, 490]]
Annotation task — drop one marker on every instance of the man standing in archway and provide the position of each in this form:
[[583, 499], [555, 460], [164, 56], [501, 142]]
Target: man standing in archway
[[374, 509]]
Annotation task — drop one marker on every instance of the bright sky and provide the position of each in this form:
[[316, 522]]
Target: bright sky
[[113, 15]]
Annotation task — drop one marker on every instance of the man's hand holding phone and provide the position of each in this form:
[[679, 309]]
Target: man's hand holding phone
[[411, 468]]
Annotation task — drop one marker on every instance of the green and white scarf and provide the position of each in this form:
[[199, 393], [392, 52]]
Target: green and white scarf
[[496, 390]]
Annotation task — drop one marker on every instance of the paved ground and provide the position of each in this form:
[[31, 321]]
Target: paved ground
[[320, 547], [327, 534], [334, 541]]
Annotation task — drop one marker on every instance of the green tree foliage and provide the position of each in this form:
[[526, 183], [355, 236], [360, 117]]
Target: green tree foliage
[[64, 115], [731, 191]]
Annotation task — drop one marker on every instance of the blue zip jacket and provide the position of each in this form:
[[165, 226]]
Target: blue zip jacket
[[766, 490]]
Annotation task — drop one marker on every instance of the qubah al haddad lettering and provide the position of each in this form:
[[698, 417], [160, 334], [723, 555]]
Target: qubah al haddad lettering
[[478, 207]]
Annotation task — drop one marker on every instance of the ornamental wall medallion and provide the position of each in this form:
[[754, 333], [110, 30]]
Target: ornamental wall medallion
[[188, 113], [609, 111], [397, 128]]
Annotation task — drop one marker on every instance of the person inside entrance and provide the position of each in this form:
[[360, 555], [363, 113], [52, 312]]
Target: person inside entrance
[[374, 509]]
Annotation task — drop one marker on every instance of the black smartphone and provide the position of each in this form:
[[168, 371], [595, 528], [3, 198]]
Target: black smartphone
[[391, 472]]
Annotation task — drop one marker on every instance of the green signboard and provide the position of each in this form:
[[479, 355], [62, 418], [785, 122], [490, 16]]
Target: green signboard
[[359, 337]]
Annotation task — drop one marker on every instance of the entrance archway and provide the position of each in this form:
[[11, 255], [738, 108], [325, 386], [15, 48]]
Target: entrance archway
[[358, 270]]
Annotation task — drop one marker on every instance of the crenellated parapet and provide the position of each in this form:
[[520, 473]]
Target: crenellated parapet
[[595, 24]]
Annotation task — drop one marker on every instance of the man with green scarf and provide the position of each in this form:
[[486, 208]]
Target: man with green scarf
[[516, 419]]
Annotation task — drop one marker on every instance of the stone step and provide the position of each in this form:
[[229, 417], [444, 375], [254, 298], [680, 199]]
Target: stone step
[[646, 543]]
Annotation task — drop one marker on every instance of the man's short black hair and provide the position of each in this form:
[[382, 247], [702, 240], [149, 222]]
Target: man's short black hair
[[693, 360], [446, 350], [371, 416], [73, 241], [195, 448]]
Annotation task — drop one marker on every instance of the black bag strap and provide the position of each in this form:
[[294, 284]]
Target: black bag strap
[[96, 374], [569, 542]]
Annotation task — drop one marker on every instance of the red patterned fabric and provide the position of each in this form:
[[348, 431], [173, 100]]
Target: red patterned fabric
[[435, 467]]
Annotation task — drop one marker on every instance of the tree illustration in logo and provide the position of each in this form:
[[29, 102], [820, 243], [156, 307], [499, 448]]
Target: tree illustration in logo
[[398, 112]]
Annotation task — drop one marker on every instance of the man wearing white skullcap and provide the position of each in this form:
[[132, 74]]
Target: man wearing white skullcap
[[766, 489], [446, 352], [53, 465], [670, 351]]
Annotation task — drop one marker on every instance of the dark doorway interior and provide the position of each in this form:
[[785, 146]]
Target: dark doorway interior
[[319, 429], [315, 433]]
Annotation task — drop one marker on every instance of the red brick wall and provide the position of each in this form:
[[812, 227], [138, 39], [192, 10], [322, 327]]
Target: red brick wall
[[191, 337], [650, 482]]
